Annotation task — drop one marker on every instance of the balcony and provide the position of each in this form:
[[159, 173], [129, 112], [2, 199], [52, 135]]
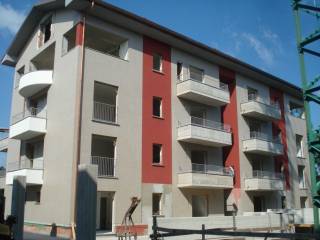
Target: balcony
[[206, 176], [31, 168], [33, 82], [208, 91], [205, 132], [106, 166], [264, 181], [261, 143], [4, 140], [259, 110], [103, 112], [28, 124]]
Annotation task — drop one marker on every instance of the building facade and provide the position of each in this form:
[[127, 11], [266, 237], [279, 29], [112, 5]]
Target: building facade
[[189, 130]]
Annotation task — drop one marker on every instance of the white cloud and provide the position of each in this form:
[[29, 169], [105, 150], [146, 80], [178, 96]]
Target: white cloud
[[263, 52], [10, 18]]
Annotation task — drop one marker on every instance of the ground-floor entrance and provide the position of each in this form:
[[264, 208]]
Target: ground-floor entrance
[[105, 210]]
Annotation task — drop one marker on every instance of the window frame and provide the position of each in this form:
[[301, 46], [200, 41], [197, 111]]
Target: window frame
[[160, 107], [159, 203], [160, 162], [300, 148], [154, 55]]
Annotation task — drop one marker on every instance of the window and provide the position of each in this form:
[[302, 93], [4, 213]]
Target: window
[[302, 183], [33, 194], [69, 40], [252, 94], [283, 202], [199, 161], [157, 62], [157, 107], [196, 73], [19, 74], [156, 203], [105, 103], [296, 110], [259, 204], [299, 145], [179, 70], [45, 31], [157, 148], [303, 202]]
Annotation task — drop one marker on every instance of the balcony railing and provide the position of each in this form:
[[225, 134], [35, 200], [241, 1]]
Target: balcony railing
[[203, 79], [253, 98], [106, 166], [2, 172], [266, 174], [264, 137], [104, 112], [25, 163], [209, 169], [29, 112], [202, 122]]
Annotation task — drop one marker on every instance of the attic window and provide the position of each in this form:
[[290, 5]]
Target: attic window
[[45, 31]]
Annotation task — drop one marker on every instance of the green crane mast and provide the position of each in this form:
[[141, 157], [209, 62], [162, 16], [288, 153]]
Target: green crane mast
[[310, 88]]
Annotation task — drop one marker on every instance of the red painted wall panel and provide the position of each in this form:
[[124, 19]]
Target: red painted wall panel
[[280, 126], [229, 116], [156, 130]]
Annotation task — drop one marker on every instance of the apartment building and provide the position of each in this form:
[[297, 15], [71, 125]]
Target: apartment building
[[188, 129]]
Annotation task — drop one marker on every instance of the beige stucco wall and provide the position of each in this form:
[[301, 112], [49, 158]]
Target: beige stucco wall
[[181, 152], [59, 139], [127, 76]]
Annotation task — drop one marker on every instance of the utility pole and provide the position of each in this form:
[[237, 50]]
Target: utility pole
[[310, 89]]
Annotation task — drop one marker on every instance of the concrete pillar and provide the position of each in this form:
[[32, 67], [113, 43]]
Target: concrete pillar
[[86, 202], [17, 205]]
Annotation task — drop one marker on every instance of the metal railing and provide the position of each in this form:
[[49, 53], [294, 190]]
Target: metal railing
[[202, 122], [25, 163], [264, 137], [210, 169], [2, 172], [106, 166], [253, 98], [29, 112], [104, 112], [201, 79], [266, 174]]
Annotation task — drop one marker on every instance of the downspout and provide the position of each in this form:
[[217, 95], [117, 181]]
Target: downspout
[[78, 119]]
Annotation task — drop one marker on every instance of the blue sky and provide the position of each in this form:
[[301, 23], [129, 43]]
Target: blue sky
[[260, 33]]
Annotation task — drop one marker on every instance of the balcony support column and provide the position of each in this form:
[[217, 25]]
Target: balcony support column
[[17, 205], [86, 202]]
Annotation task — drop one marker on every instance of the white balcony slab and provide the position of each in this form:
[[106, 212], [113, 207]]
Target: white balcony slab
[[205, 136], [28, 128], [260, 110], [33, 82], [264, 184], [261, 146], [33, 176], [202, 93], [202, 180]]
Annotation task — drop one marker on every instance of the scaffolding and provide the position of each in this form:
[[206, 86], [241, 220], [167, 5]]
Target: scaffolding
[[306, 45]]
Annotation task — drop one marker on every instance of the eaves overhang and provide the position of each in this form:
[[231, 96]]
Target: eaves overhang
[[140, 25]]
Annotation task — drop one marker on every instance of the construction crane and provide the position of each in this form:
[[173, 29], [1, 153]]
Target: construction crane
[[310, 89]]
